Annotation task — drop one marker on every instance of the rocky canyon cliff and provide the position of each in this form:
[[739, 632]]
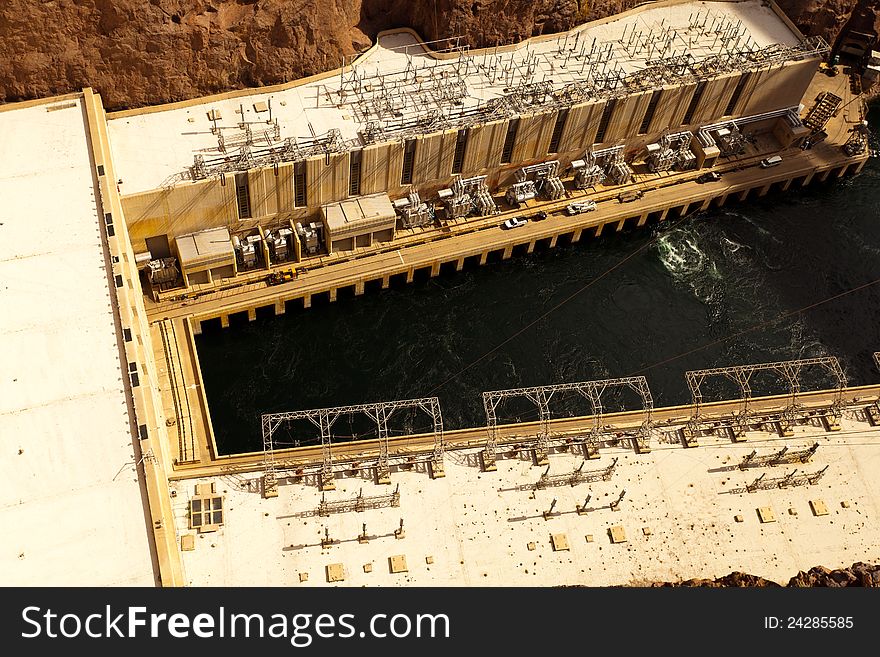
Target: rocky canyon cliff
[[144, 52]]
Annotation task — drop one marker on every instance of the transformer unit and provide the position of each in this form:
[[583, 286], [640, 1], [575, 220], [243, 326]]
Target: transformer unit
[[521, 192], [686, 160], [672, 151], [587, 176], [467, 195], [456, 207], [619, 173], [309, 237], [162, 272], [546, 178], [484, 203], [280, 246], [600, 165], [413, 211], [729, 139], [247, 250]]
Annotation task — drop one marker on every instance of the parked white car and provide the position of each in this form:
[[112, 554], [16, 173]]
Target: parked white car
[[514, 222]]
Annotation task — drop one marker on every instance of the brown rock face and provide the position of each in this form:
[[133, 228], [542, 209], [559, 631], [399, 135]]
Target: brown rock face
[[140, 52], [859, 574]]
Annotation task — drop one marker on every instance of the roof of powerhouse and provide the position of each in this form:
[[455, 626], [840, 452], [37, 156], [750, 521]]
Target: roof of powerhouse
[[154, 147], [70, 501]]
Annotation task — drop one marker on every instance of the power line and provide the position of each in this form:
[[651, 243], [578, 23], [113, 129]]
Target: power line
[[589, 284], [756, 326], [557, 306]]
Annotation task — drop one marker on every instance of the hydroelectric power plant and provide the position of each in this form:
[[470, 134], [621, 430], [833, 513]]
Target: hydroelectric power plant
[[414, 161]]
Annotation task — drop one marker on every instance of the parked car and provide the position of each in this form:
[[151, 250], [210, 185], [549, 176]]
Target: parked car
[[514, 222], [581, 206], [771, 162], [709, 176]]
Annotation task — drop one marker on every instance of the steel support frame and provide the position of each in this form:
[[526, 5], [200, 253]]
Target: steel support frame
[[788, 371], [541, 396], [324, 418]]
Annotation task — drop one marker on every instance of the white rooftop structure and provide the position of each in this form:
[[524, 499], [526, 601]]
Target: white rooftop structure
[[71, 506], [357, 215], [398, 82]]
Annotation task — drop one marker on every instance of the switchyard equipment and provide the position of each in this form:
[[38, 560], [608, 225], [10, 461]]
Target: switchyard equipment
[[422, 97], [360, 503], [248, 250], [324, 418], [280, 243], [162, 272], [592, 391], [468, 195], [672, 151], [781, 457], [793, 478], [413, 212], [520, 192], [789, 371], [729, 139], [546, 178], [310, 236]]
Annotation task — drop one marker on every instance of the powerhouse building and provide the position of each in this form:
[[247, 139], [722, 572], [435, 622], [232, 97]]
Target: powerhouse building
[[407, 133]]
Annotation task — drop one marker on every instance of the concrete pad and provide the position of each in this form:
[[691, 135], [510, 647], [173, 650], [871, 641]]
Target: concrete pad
[[335, 572], [765, 514], [819, 508], [559, 542], [617, 534]]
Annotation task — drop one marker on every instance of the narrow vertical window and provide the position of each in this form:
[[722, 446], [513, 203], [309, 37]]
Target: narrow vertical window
[[354, 172], [299, 185], [698, 94], [605, 120], [243, 195], [460, 146], [734, 99], [561, 118], [409, 156], [509, 140], [649, 113]]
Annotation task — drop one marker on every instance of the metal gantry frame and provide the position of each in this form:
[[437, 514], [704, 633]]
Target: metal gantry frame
[[462, 89], [541, 396], [788, 371], [324, 418]]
